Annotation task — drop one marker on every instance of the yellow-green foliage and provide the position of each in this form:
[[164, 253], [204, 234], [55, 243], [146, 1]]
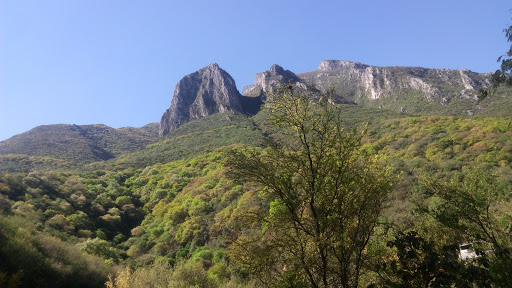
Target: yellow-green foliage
[[180, 218], [189, 202], [438, 139], [162, 275], [37, 259]]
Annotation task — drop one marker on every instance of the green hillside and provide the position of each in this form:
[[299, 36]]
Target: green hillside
[[194, 138], [176, 213], [71, 146]]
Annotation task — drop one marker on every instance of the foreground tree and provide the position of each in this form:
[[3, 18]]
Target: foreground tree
[[325, 193]]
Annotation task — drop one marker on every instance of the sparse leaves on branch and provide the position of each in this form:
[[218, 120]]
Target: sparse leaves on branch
[[502, 75]]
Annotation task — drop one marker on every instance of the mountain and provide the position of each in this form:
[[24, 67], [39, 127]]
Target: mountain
[[75, 144], [408, 89], [211, 91], [80, 202], [200, 94], [413, 90], [265, 82]]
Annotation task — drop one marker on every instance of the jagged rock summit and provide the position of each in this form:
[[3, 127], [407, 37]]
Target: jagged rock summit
[[416, 90], [265, 82], [205, 92]]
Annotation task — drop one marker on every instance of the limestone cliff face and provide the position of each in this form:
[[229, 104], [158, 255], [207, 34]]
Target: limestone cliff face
[[413, 90], [200, 94], [363, 84], [265, 82]]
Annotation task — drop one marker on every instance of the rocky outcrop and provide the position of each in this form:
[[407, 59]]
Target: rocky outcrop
[[265, 82], [365, 84], [200, 94], [340, 65], [423, 91]]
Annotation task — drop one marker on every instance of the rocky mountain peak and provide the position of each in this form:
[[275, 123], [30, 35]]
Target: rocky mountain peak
[[265, 82], [277, 70], [205, 92]]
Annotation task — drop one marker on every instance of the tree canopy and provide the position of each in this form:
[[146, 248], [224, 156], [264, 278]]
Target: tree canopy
[[325, 193], [502, 75]]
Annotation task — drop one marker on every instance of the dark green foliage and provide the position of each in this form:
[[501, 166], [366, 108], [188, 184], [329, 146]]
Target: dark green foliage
[[419, 263], [477, 204], [502, 76], [45, 261]]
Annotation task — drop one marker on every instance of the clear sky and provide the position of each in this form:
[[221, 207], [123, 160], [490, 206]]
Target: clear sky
[[116, 62]]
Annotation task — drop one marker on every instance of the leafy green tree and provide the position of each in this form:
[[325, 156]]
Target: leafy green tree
[[419, 263], [502, 75], [100, 248], [325, 195], [476, 204]]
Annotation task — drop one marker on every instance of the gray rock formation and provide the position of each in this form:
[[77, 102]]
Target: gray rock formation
[[373, 82], [423, 91], [265, 82], [397, 86], [200, 94]]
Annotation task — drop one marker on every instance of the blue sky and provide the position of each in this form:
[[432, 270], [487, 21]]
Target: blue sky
[[117, 62]]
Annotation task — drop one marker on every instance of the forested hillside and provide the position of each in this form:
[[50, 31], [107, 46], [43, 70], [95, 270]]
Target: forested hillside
[[64, 146], [278, 199]]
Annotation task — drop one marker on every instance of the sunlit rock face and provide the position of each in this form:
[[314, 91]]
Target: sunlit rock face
[[394, 86], [205, 92]]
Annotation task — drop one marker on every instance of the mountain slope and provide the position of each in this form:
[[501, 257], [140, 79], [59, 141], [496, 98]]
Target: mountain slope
[[413, 90], [196, 137], [75, 145], [211, 92]]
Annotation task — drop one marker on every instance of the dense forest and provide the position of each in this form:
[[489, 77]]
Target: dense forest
[[306, 193]]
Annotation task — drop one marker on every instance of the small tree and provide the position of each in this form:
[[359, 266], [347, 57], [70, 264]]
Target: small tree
[[502, 75], [325, 196]]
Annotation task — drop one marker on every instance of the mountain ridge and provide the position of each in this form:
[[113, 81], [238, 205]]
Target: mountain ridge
[[211, 90], [80, 143]]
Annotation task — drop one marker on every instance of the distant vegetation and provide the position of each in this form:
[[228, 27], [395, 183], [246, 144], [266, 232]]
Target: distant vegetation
[[71, 146], [196, 137]]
